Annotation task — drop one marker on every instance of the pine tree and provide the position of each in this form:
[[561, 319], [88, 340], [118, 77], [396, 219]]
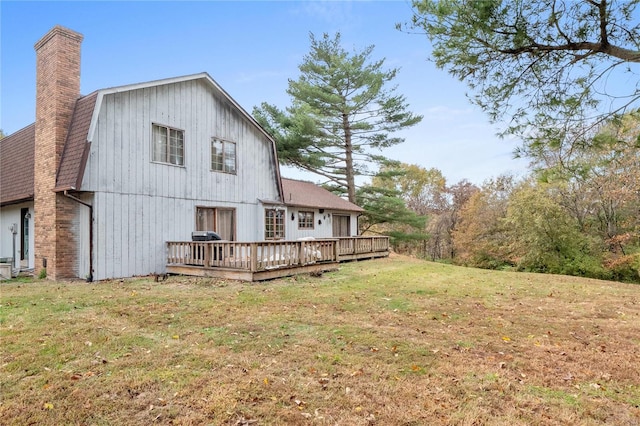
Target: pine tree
[[341, 112]]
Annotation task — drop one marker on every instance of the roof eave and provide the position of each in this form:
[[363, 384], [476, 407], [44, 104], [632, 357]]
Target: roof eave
[[10, 202]]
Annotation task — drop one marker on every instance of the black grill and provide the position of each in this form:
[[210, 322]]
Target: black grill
[[204, 236]]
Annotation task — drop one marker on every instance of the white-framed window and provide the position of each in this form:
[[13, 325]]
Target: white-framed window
[[168, 145], [273, 224], [305, 220], [223, 156]]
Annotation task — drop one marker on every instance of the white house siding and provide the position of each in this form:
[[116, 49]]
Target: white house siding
[[293, 232], [8, 216], [320, 230], [139, 205], [83, 220]]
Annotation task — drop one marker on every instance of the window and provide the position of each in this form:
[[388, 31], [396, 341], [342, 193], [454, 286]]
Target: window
[[168, 145], [220, 221], [305, 220], [273, 224], [223, 156]]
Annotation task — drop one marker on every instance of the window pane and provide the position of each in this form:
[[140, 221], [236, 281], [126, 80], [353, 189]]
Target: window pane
[[216, 155], [229, 157], [159, 144], [305, 220], [274, 224], [226, 224], [205, 219], [168, 145], [177, 147], [279, 224]]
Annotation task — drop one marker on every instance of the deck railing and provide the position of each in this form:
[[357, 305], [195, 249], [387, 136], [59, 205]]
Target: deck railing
[[267, 255], [254, 256], [362, 245]]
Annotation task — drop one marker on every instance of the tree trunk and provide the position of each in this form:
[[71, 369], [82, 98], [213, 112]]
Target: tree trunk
[[348, 158]]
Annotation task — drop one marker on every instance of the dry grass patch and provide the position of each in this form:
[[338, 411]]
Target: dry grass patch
[[393, 341]]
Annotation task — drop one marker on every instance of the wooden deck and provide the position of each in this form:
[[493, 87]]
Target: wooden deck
[[256, 261]]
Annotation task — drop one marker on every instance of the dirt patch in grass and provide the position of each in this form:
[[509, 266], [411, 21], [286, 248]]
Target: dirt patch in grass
[[393, 341]]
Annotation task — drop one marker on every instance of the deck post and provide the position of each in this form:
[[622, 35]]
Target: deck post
[[253, 252], [301, 255], [207, 255]]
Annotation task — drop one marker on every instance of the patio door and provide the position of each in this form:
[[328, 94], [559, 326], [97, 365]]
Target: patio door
[[341, 225], [220, 221]]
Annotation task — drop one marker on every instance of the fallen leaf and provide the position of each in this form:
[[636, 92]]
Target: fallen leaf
[[357, 373]]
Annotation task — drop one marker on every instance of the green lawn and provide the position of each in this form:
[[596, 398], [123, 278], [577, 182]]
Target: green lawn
[[388, 342]]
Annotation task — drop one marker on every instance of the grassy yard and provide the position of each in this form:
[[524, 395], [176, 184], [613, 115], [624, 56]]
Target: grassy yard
[[386, 342]]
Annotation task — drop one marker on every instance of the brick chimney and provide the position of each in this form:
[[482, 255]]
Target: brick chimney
[[57, 89]]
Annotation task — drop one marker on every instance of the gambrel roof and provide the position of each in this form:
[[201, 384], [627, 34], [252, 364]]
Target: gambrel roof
[[17, 150], [76, 148]]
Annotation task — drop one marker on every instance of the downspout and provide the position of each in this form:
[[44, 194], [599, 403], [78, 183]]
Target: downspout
[[78, 200]]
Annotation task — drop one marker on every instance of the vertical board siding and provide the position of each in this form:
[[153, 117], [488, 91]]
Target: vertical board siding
[[139, 205], [8, 216], [84, 219], [323, 230]]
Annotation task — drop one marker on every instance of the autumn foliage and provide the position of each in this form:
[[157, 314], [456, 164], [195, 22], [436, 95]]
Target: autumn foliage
[[577, 213]]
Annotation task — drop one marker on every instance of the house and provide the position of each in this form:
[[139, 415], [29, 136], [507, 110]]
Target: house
[[316, 212], [99, 183]]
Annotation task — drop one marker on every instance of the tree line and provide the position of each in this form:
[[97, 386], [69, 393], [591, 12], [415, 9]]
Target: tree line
[[577, 218], [544, 70]]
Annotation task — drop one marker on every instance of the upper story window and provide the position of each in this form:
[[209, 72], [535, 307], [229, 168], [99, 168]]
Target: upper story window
[[223, 156], [305, 220], [168, 145]]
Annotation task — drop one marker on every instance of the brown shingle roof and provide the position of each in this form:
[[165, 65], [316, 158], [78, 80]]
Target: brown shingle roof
[[17, 151], [76, 148], [306, 194], [16, 166]]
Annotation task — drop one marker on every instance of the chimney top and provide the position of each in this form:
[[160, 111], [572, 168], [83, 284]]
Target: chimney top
[[58, 30]]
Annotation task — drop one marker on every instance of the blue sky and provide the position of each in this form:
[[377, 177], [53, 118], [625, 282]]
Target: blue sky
[[251, 49]]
